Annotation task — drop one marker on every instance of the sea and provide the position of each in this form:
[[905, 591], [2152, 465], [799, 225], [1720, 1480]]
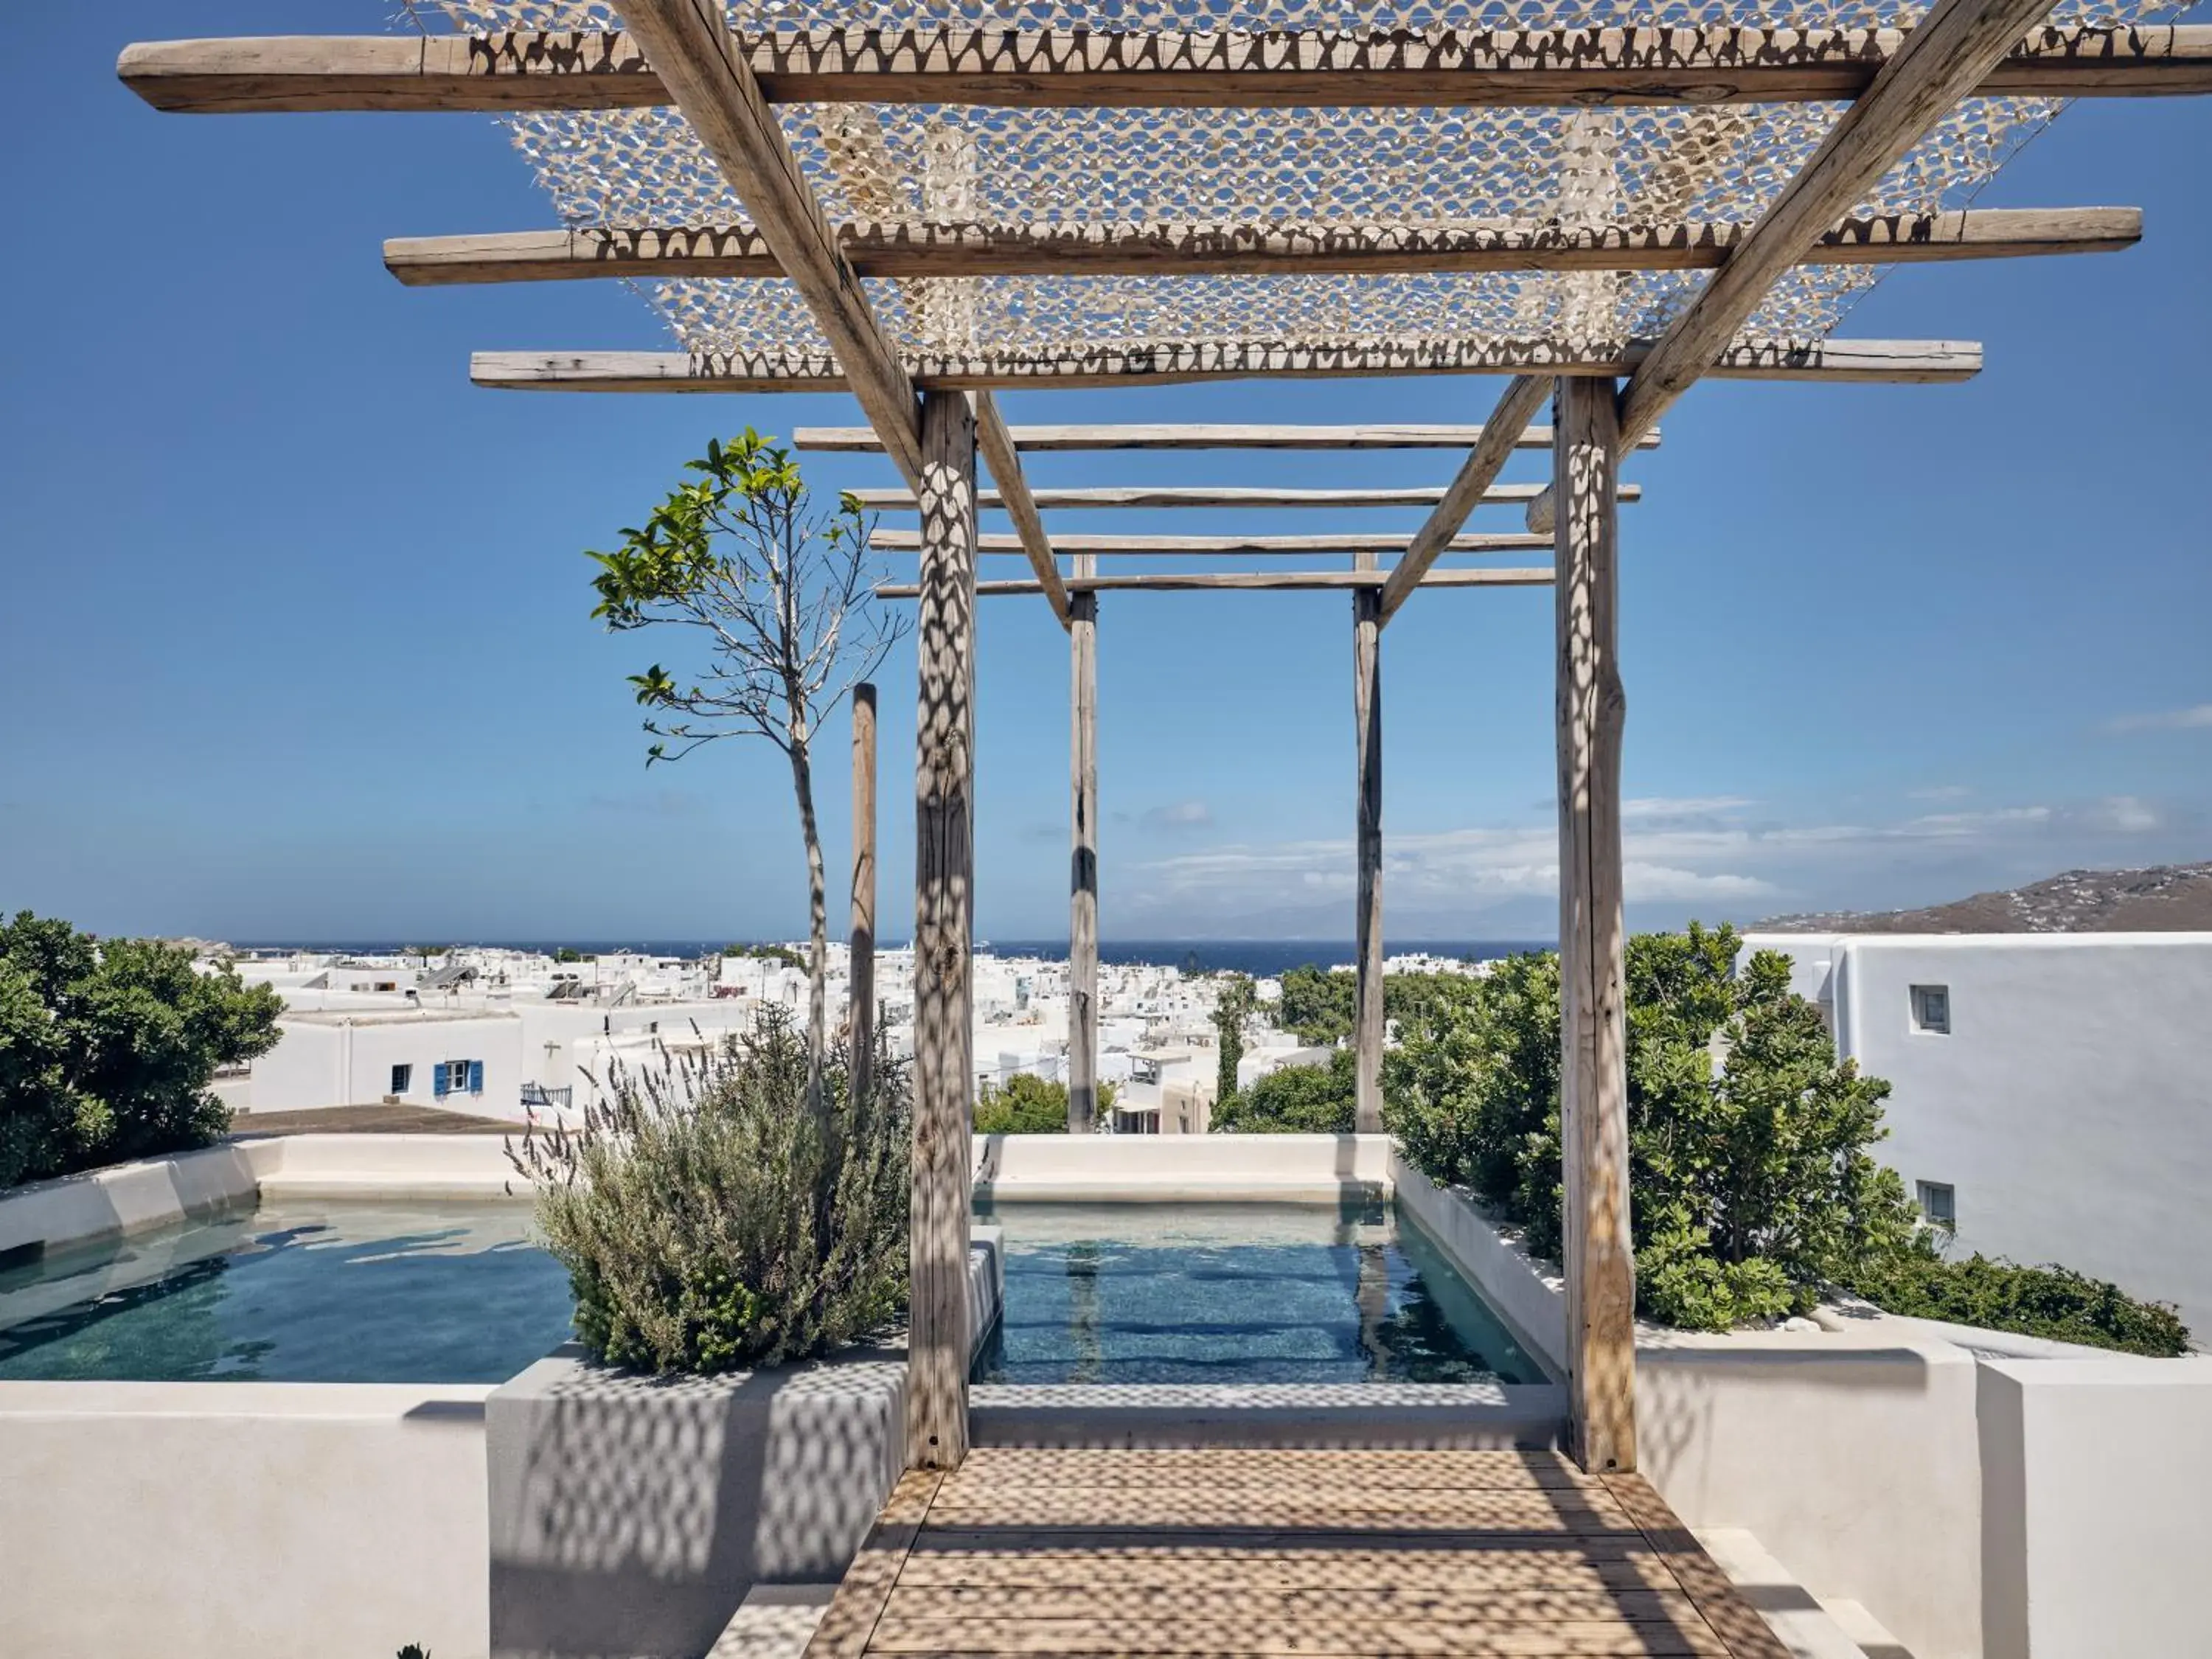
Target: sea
[[1262, 958]]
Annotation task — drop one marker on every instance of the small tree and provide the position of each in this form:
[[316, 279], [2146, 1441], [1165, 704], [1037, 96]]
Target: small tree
[[1231, 1008], [1295, 1100], [1029, 1105], [1318, 1004], [778, 592]]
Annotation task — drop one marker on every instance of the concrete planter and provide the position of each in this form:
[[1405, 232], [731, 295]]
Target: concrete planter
[[630, 1516]]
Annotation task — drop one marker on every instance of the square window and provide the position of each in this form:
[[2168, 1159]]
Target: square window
[[403, 1077], [457, 1076], [1931, 1008], [1939, 1203]]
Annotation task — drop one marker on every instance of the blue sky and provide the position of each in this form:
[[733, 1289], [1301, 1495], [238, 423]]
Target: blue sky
[[296, 638]]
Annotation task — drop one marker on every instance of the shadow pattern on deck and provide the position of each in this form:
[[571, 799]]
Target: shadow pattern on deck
[[1282, 1551]]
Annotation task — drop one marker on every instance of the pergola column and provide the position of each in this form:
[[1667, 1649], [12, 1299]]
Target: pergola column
[[944, 870], [1592, 709], [1083, 862], [1367, 712], [861, 975]]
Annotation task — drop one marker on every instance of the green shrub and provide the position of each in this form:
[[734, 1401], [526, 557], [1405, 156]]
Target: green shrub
[[2002, 1296], [1750, 1186], [1028, 1105], [709, 1221], [107, 1050], [1295, 1100]]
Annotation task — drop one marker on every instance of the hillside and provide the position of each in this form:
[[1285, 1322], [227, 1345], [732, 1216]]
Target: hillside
[[2165, 898]]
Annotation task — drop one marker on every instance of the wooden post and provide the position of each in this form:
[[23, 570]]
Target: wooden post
[[1083, 876], [861, 1020], [1367, 711], [1600, 1266], [943, 869]]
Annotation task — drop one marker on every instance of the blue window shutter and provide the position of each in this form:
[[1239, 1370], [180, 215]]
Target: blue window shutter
[[437, 1077], [475, 1077]]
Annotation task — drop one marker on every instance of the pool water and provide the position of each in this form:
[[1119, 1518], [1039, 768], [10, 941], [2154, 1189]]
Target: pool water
[[1134, 1293], [295, 1293]]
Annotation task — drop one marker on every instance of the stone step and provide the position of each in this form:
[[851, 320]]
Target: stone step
[[1808, 1627]]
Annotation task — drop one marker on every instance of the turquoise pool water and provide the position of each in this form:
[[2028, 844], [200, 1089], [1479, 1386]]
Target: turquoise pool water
[[295, 1292], [1238, 1293]]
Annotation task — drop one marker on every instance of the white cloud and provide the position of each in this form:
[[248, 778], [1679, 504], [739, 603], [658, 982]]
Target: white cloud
[[1969, 824], [1940, 792], [2127, 814], [1180, 814], [2197, 718], [1684, 806], [1653, 883]]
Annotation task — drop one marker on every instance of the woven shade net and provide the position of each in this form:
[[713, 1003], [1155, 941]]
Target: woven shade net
[[1321, 166]]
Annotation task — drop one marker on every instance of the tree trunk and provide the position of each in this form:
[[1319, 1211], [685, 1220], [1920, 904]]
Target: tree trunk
[[817, 922]]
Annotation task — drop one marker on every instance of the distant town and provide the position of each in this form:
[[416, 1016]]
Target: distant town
[[527, 1036]]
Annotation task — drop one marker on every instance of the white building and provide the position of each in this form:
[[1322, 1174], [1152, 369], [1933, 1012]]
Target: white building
[[467, 1062], [2053, 1092]]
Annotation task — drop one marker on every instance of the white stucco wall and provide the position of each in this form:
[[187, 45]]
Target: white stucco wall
[[2071, 1105], [2094, 1508], [237, 1520]]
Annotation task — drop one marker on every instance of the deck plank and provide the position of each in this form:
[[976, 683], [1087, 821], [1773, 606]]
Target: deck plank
[[1245, 1509], [848, 1626], [1323, 1569], [1299, 1637], [1004, 1469], [1505, 1604]]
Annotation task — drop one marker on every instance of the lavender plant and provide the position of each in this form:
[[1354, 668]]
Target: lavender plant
[[710, 1220]]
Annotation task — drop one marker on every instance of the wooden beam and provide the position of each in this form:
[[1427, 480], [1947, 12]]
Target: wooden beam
[[1348, 540], [1027, 68], [862, 440], [927, 249], [1600, 1260], [1367, 919], [1516, 406], [939, 1338], [1279, 581], [1014, 495], [1253, 498], [860, 999], [1950, 53], [1083, 857], [1173, 363], [711, 82]]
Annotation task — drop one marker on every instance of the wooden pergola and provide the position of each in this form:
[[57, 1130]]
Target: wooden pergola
[[1702, 202]]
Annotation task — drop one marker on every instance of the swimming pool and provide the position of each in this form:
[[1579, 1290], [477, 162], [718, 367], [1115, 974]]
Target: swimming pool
[[1255, 1293], [342, 1291], [455, 1291]]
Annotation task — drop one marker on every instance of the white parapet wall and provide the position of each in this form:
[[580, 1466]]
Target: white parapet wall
[[126, 1199], [2096, 1516], [241, 1520], [385, 1166], [1181, 1169]]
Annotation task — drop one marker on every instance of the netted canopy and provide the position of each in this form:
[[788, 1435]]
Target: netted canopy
[[1370, 167]]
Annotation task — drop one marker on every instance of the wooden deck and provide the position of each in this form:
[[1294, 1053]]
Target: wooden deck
[[1283, 1552]]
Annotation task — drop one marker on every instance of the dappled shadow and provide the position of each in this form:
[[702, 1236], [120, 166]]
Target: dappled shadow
[[631, 1514], [1295, 1550]]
